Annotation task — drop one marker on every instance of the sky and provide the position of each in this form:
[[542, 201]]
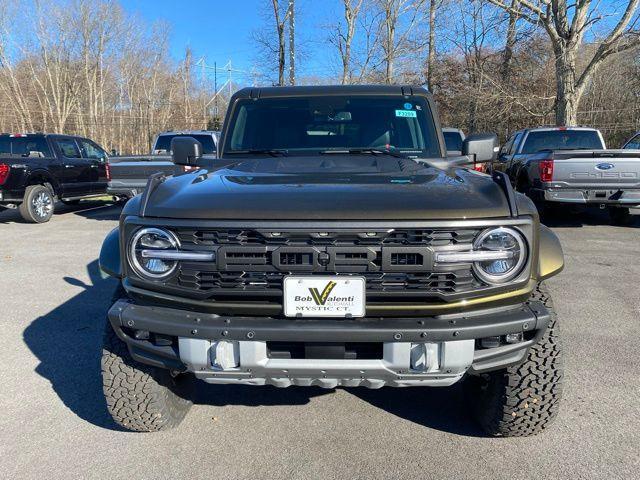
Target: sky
[[220, 30]]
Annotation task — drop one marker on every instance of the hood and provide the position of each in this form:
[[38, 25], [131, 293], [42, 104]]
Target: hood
[[380, 193]]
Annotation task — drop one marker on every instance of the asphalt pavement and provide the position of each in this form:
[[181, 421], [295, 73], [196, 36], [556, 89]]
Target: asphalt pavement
[[53, 422]]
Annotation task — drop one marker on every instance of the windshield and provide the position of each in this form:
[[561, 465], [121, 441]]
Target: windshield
[[453, 140], [562, 140], [317, 124], [164, 142]]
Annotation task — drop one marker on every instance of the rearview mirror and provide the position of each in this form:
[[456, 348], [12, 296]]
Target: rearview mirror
[[482, 147], [185, 151]]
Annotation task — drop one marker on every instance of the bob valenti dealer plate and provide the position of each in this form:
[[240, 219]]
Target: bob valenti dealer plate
[[324, 296]]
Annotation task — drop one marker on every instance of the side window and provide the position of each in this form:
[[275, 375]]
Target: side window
[[633, 144], [68, 147], [507, 146], [91, 150], [514, 145]]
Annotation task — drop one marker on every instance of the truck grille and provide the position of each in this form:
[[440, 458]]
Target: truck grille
[[396, 263]]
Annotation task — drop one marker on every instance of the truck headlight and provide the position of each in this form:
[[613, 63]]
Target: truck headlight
[[141, 250], [509, 254]]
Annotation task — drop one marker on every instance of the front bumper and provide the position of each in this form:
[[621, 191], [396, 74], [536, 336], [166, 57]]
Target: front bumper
[[595, 196], [189, 338]]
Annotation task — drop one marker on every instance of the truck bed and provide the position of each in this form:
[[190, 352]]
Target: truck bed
[[129, 174]]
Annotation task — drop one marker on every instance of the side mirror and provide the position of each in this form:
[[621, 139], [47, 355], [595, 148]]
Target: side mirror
[[482, 147], [185, 151]]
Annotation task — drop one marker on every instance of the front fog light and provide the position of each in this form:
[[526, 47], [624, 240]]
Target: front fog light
[[144, 249], [225, 354], [511, 249]]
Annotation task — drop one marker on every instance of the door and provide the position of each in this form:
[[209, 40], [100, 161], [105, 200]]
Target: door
[[97, 159], [75, 171]]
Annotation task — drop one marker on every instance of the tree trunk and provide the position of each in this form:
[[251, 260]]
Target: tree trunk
[[510, 42], [431, 56], [568, 96], [292, 48]]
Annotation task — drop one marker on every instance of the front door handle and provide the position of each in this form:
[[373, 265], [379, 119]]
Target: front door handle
[[69, 166]]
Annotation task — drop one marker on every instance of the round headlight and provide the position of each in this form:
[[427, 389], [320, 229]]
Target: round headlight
[[508, 241], [141, 247]]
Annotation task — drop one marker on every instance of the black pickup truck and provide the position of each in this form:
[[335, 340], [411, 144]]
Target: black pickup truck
[[38, 168]]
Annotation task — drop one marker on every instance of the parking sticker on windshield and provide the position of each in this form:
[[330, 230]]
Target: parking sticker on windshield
[[406, 113]]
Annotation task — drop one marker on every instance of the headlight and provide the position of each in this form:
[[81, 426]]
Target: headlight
[[145, 254], [510, 254]]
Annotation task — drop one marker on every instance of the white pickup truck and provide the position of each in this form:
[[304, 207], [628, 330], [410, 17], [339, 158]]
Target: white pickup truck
[[571, 165]]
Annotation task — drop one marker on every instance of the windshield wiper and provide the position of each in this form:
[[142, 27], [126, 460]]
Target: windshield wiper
[[365, 151], [274, 152]]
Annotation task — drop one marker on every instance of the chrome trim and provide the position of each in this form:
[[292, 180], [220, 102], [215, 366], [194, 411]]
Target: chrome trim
[[178, 255], [131, 252], [474, 256]]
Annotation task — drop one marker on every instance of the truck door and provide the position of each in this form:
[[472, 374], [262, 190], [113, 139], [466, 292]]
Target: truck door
[[97, 159], [75, 171]]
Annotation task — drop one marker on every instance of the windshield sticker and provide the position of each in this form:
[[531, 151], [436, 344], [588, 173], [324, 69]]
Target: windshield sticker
[[406, 113], [408, 106]]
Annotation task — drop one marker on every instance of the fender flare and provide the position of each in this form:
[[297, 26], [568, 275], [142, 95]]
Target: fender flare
[[46, 177], [109, 261], [550, 258]]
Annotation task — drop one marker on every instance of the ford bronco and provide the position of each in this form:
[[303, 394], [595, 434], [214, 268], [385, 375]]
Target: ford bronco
[[340, 247]]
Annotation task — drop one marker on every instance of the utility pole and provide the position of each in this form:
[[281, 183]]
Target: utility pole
[[215, 96]]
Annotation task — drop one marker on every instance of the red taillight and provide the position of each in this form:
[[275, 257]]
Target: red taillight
[[189, 168], [108, 170], [479, 167], [4, 172], [546, 170]]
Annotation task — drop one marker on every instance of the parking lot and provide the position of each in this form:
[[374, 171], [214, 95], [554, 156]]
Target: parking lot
[[53, 422]]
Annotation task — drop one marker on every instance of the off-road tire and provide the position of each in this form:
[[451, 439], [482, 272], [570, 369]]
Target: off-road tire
[[523, 400], [29, 211], [620, 216], [140, 397]]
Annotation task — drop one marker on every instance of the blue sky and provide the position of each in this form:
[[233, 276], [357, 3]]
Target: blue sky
[[220, 30]]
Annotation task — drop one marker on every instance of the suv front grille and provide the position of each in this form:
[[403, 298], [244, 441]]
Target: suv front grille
[[397, 263]]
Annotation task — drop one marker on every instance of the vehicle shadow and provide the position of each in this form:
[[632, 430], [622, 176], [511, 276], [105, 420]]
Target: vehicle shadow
[[580, 217], [438, 408], [94, 209], [67, 342]]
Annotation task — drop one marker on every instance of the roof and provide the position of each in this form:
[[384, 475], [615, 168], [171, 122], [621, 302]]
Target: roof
[[323, 90]]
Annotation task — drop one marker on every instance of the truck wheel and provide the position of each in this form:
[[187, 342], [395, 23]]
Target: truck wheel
[[37, 205], [620, 215], [523, 400], [140, 397]]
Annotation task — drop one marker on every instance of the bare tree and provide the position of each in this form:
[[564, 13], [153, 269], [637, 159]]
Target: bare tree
[[396, 31], [431, 55], [566, 24], [292, 38], [344, 35], [280, 19]]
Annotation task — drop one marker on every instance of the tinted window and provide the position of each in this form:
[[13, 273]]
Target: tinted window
[[309, 125], [633, 144], [208, 146], [453, 140], [516, 142], [68, 147], [562, 140], [25, 146], [91, 150]]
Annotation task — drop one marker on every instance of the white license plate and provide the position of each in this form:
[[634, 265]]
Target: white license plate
[[329, 296]]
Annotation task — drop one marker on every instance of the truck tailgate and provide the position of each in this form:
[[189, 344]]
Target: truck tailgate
[[596, 169]]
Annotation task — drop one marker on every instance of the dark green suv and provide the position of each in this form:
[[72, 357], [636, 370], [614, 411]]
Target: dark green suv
[[338, 247]]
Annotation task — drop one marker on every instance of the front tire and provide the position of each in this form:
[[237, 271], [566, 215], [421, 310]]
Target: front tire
[[523, 400], [139, 397], [37, 205]]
